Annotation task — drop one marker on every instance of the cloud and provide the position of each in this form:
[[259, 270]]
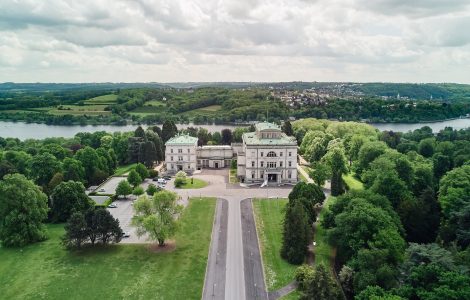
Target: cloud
[[179, 40]]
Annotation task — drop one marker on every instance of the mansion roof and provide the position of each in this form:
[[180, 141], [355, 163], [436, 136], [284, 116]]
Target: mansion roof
[[182, 139]]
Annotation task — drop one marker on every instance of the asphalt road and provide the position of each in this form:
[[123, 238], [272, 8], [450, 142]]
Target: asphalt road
[[255, 287], [214, 283]]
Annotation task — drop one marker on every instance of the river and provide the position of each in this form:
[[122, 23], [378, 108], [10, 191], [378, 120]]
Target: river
[[40, 131]]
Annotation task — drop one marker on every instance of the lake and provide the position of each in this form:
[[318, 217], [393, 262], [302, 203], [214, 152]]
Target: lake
[[40, 131]]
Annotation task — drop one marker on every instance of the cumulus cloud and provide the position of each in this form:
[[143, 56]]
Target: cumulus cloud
[[210, 40]]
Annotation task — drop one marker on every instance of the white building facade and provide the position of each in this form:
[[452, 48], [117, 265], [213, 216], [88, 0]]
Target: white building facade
[[269, 156], [180, 154]]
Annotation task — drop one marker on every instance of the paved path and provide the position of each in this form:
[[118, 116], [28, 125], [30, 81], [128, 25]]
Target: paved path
[[255, 287], [302, 171], [282, 291], [214, 284]]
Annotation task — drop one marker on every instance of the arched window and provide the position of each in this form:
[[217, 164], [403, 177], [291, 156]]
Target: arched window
[[271, 154]]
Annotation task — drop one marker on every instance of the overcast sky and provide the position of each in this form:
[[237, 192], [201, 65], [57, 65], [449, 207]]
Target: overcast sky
[[235, 40]]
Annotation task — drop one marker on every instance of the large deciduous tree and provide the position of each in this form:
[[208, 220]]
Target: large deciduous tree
[[123, 188], [66, 198], [23, 208], [169, 130], [156, 216], [134, 178], [43, 167]]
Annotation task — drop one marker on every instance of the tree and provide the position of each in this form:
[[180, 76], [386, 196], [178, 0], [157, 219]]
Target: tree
[[169, 130], [43, 167], [368, 153], [123, 188], [142, 171], [309, 195], [216, 138], [226, 136], [320, 173], [203, 136], [73, 170], [426, 147], [134, 178], [322, 286], [148, 153], [139, 132], [336, 159], [180, 179], [138, 191], [287, 128], [90, 162], [106, 227], [376, 293], [156, 216], [295, 235], [151, 189], [23, 208], [67, 198], [75, 231]]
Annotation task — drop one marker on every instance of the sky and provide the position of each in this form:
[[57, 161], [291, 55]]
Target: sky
[[235, 40]]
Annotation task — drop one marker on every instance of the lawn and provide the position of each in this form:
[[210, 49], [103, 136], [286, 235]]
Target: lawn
[[323, 249], [197, 184], [47, 271], [105, 99], [121, 170], [294, 295], [352, 182], [211, 108], [95, 109], [269, 214]]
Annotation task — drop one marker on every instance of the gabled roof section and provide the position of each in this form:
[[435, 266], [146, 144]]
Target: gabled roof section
[[182, 139]]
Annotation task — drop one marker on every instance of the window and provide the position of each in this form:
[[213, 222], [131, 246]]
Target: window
[[172, 166], [180, 158], [252, 163], [290, 164], [280, 154], [272, 164], [271, 154], [280, 164], [261, 153], [252, 153], [261, 174], [180, 150], [252, 174], [172, 158], [290, 153], [262, 164], [289, 174], [171, 150], [189, 150], [189, 167]]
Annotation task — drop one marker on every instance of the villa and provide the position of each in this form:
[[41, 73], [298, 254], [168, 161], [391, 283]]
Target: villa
[[266, 156]]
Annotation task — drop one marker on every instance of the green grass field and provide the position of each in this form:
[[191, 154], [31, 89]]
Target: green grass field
[[47, 271], [95, 109], [323, 249], [211, 108], [197, 184], [352, 182], [105, 99], [121, 170], [269, 214]]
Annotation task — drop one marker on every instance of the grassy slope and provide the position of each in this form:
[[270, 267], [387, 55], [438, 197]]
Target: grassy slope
[[121, 170], [105, 99], [323, 250], [352, 182], [46, 271], [269, 214]]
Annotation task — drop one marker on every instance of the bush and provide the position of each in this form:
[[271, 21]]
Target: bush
[[180, 179], [152, 189], [233, 164], [138, 191], [142, 171], [303, 276]]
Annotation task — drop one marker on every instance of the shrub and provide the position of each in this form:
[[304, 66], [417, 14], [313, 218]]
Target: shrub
[[152, 189], [153, 173], [138, 191]]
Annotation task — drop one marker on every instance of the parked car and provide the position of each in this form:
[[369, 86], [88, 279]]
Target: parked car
[[102, 190], [112, 205], [155, 179], [126, 234], [161, 181], [167, 177]]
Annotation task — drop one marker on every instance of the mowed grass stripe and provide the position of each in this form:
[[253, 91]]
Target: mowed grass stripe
[[269, 216], [47, 271]]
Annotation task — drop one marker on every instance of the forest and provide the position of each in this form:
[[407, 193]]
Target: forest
[[404, 233]]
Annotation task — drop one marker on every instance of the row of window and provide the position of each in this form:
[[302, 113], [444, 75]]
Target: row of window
[[261, 175], [271, 164], [271, 154], [180, 150], [180, 158]]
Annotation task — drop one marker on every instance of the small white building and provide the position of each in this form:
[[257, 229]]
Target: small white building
[[180, 154]]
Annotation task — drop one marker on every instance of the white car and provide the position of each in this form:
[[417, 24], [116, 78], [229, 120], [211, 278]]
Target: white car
[[112, 205], [102, 190], [161, 181], [126, 234]]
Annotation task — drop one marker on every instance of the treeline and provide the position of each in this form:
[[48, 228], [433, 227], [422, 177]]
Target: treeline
[[406, 234], [377, 110]]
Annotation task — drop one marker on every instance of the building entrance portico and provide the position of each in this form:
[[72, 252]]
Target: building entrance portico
[[272, 178]]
